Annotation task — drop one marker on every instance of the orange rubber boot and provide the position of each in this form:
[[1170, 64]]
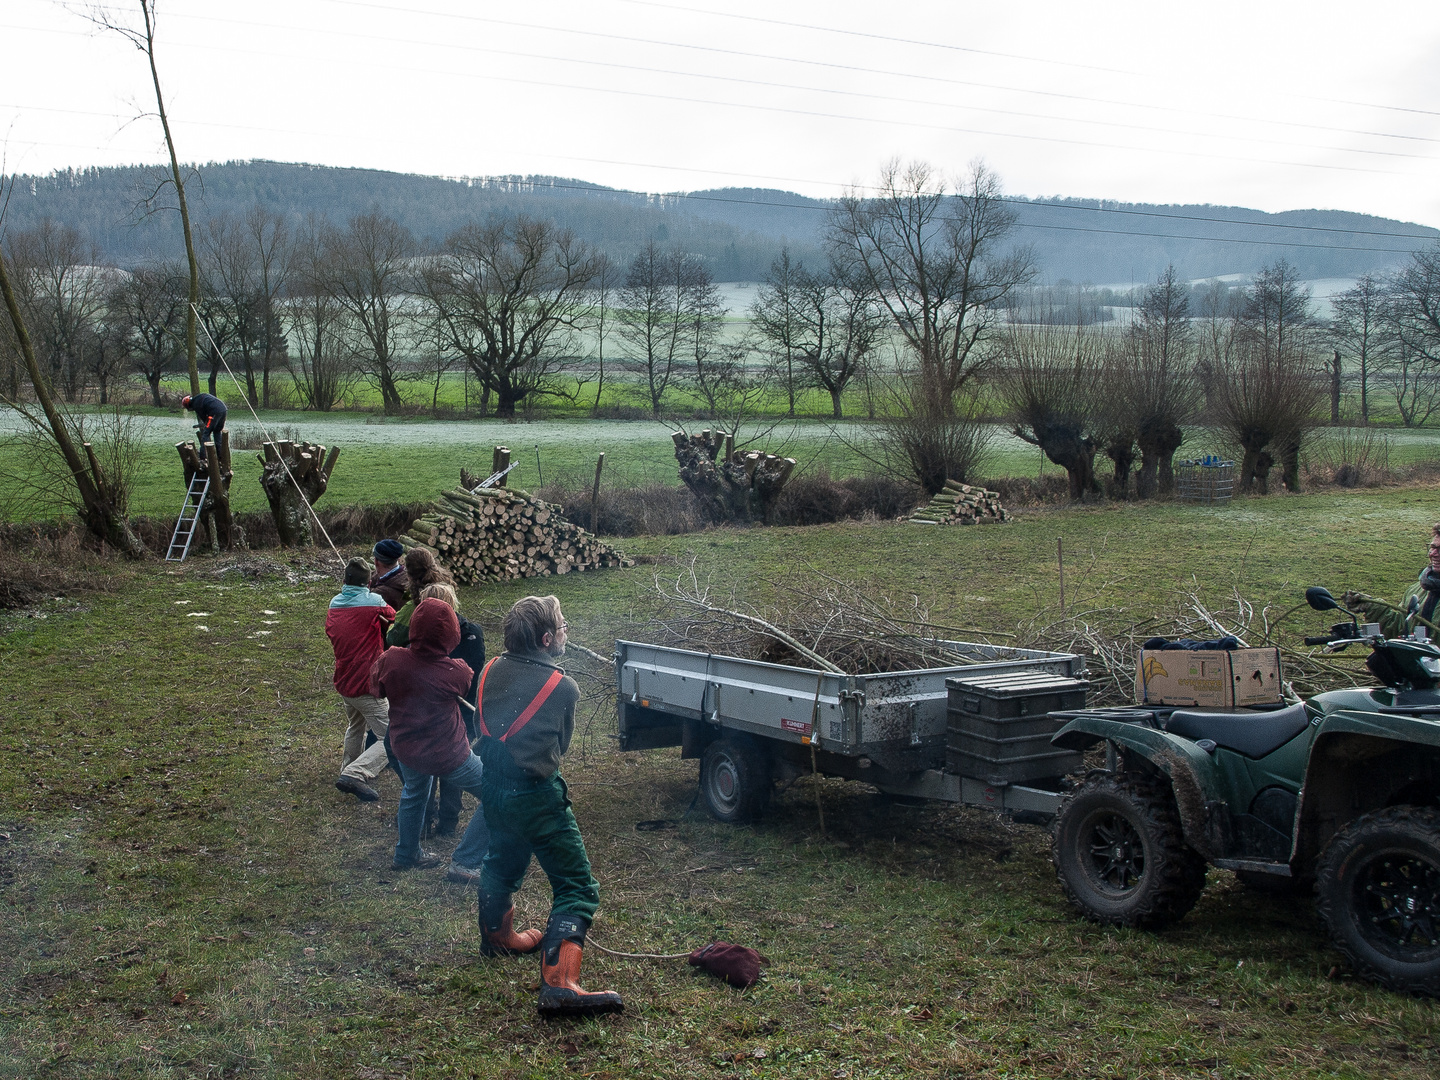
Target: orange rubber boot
[[497, 929], [560, 990]]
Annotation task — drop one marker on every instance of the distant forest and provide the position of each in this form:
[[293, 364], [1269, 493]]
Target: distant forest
[[738, 232]]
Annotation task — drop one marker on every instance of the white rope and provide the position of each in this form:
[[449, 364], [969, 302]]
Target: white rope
[[268, 437]]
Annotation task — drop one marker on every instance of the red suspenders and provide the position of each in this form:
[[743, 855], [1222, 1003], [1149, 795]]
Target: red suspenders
[[529, 711]]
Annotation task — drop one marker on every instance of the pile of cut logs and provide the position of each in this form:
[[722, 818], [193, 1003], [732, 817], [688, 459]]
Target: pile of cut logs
[[961, 504], [499, 534]]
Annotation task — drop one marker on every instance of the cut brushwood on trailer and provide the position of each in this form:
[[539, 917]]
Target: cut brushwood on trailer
[[500, 534], [961, 504], [738, 485], [288, 468]]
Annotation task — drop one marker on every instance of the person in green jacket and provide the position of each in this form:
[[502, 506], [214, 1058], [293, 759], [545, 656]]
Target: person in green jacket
[[526, 719], [1420, 599]]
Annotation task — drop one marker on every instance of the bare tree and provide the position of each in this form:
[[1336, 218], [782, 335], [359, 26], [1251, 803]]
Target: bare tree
[[314, 319], [62, 293], [1362, 331], [601, 296], [1415, 305], [1048, 381], [367, 269], [1412, 382], [1158, 385], [934, 261], [107, 352], [101, 502], [232, 301], [144, 41], [774, 315], [152, 300], [270, 241], [1269, 388], [652, 318], [714, 368], [508, 296]]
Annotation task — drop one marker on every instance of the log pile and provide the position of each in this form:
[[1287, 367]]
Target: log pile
[[310, 468], [500, 534], [961, 504]]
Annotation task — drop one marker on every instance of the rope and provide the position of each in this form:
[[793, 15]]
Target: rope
[[265, 431], [636, 955]]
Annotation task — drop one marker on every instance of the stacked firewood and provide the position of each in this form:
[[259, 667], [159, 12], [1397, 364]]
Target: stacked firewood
[[499, 534], [961, 504]]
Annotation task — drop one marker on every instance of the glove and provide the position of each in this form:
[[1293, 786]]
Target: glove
[[1353, 599]]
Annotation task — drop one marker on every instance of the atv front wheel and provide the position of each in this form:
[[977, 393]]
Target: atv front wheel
[[1379, 893], [1121, 855]]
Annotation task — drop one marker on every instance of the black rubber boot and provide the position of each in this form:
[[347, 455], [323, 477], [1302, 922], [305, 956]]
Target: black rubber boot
[[560, 991], [497, 928]]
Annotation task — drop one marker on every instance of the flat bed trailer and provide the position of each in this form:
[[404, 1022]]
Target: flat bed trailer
[[751, 722]]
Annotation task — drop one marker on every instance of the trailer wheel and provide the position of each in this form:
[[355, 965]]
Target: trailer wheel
[[735, 781], [1379, 893], [1120, 852]]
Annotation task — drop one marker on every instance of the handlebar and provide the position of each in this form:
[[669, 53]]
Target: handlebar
[[1324, 640]]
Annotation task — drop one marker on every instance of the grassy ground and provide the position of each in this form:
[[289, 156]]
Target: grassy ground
[[403, 459], [185, 893]]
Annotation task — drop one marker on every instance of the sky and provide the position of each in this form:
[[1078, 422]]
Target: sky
[[1262, 104]]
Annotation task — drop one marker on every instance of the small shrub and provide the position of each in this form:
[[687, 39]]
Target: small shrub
[[250, 437], [814, 498], [1030, 490], [651, 510], [1349, 457]]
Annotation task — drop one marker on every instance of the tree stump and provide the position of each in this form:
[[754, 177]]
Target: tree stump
[[215, 511], [310, 469], [730, 485]]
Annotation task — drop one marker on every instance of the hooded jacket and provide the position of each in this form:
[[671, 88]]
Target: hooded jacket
[[355, 625], [421, 683], [393, 585]]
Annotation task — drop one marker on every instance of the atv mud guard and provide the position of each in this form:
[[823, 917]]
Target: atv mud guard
[[1203, 812]]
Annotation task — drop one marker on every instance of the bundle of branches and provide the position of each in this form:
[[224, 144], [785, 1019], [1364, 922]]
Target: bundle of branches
[[499, 534], [816, 621], [961, 504], [1111, 654]]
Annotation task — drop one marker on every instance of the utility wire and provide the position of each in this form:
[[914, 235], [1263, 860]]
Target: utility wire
[[331, 32]]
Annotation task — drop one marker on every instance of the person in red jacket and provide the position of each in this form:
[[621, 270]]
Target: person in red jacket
[[424, 686], [356, 624]]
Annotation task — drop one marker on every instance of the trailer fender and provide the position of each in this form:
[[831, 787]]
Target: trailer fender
[[1204, 814]]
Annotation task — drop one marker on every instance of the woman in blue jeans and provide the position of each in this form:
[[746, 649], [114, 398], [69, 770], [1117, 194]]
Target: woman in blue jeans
[[427, 735]]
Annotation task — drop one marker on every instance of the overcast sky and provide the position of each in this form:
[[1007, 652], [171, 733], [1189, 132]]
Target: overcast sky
[[1263, 104]]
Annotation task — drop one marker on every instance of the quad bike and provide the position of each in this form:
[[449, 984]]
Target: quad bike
[[1341, 791]]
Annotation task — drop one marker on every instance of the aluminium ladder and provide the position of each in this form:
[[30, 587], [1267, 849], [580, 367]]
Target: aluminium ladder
[[189, 518]]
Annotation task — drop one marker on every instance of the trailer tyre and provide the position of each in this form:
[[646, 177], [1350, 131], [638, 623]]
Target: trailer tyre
[[735, 780], [1120, 852], [1378, 889]]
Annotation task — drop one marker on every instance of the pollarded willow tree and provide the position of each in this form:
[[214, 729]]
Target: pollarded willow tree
[[507, 296], [1157, 384], [1051, 380], [1269, 385]]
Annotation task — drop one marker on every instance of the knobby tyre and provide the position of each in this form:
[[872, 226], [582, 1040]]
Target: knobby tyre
[[1378, 890], [1120, 852]]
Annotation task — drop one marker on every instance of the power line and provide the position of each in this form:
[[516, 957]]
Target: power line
[[888, 122], [875, 37], [367, 4]]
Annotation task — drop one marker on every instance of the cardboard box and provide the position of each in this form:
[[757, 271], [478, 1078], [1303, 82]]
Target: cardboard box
[[1208, 679]]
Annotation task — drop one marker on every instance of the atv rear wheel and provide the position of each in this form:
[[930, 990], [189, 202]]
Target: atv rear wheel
[[1379, 893], [1120, 852], [735, 780]]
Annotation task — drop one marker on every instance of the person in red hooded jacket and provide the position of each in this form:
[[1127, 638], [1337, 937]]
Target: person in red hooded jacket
[[424, 687]]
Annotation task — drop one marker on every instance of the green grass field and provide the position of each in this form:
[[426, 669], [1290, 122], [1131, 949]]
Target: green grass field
[[400, 459], [186, 894]]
